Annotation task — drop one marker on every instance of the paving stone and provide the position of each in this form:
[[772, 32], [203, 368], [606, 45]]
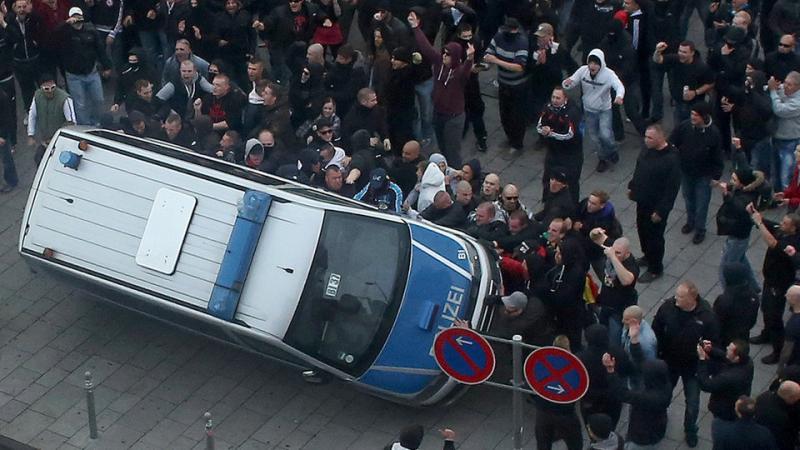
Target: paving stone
[[27, 426], [17, 381], [11, 409], [239, 426], [59, 399], [147, 413], [44, 359], [47, 440], [32, 393], [164, 432]]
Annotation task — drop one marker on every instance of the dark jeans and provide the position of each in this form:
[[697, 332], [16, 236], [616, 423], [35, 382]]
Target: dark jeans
[[697, 195], [651, 237], [773, 304], [512, 104], [691, 392], [657, 77], [9, 169], [10, 90], [552, 427], [27, 73], [448, 131]]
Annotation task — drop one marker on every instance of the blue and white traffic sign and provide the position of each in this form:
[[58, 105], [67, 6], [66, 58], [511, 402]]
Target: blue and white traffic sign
[[464, 355], [556, 375]]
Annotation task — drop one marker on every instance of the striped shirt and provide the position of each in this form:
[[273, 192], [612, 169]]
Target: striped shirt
[[511, 48]]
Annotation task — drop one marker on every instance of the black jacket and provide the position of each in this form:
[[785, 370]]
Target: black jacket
[[726, 382], [656, 180], [452, 217], [778, 65], [741, 434], [648, 417], [82, 49], [732, 217], [737, 307], [25, 43], [342, 82], [597, 344], [780, 418], [619, 53], [699, 149], [557, 205], [678, 333]]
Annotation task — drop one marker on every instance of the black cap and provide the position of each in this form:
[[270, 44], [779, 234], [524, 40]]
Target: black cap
[[378, 178], [511, 23], [402, 54], [600, 425], [411, 436], [558, 174]]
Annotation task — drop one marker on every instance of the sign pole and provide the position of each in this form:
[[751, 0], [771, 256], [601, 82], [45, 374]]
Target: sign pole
[[516, 394]]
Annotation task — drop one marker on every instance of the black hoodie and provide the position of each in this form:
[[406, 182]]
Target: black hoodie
[[648, 416], [737, 307]]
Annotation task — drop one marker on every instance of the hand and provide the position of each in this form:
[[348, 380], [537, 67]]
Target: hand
[[258, 25], [31, 141], [598, 236], [661, 46], [198, 104], [609, 362], [219, 153], [722, 185], [106, 74], [72, 20], [773, 84], [470, 50], [448, 434], [490, 59], [567, 82], [789, 250], [701, 353], [327, 23], [2, 142], [197, 34], [114, 107], [618, 101], [546, 131], [778, 196], [655, 218], [577, 226], [727, 107], [413, 20], [541, 56], [461, 323], [609, 252], [713, 7], [726, 50], [151, 14], [373, 141], [223, 43], [720, 25], [633, 331], [387, 144]]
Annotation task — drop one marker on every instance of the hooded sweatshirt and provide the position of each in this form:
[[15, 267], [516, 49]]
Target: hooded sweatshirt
[[432, 182], [648, 417], [449, 82], [596, 89]]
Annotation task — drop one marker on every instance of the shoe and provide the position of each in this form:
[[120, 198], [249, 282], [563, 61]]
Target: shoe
[[686, 229], [770, 359], [482, 147], [6, 189], [602, 166], [512, 153], [648, 277], [699, 237], [691, 440], [759, 339]]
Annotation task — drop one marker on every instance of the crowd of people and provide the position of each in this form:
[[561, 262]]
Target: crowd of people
[[279, 86]]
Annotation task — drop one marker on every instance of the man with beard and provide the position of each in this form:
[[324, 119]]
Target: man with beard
[[779, 63], [558, 126], [547, 66]]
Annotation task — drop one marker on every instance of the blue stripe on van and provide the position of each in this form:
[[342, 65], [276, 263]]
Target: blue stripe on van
[[239, 254]]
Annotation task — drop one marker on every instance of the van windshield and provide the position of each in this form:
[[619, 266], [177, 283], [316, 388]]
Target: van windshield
[[353, 291]]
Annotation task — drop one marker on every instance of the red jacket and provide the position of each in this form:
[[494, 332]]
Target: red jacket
[[792, 191]]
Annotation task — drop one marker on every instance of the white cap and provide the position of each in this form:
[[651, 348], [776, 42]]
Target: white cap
[[75, 11]]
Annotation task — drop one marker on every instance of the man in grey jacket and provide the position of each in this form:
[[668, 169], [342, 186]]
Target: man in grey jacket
[[786, 106]]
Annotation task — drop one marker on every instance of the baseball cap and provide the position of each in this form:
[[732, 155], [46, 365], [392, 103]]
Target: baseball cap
[[378, 178], [516, 300], [75, 11], [558, 175], [544, 29]]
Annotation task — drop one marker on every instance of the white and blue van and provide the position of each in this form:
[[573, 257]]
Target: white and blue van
[[312, 279]]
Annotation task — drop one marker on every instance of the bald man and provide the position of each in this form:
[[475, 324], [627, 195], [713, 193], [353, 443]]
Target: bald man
[[618, 289], [790, 353], [404, 169], [316, 54], [509, 202], [775, 410], [444, 211], [638, 338]]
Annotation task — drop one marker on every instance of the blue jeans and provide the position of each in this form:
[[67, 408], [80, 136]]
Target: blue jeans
[[735, 251], [423, 125], [696, 194], [87, 94], [761, 157], [155, 45], [691, 392], [9, 169], [784, 161], [600, 131]]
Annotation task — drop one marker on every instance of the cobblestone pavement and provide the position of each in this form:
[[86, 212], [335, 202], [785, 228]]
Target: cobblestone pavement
[[154, 382]]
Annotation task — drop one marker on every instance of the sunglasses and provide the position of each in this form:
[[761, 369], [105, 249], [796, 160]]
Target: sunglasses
[[48, 88]]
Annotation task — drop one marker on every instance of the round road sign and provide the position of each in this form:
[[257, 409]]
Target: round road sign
[[464, 355], [556, 375]]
